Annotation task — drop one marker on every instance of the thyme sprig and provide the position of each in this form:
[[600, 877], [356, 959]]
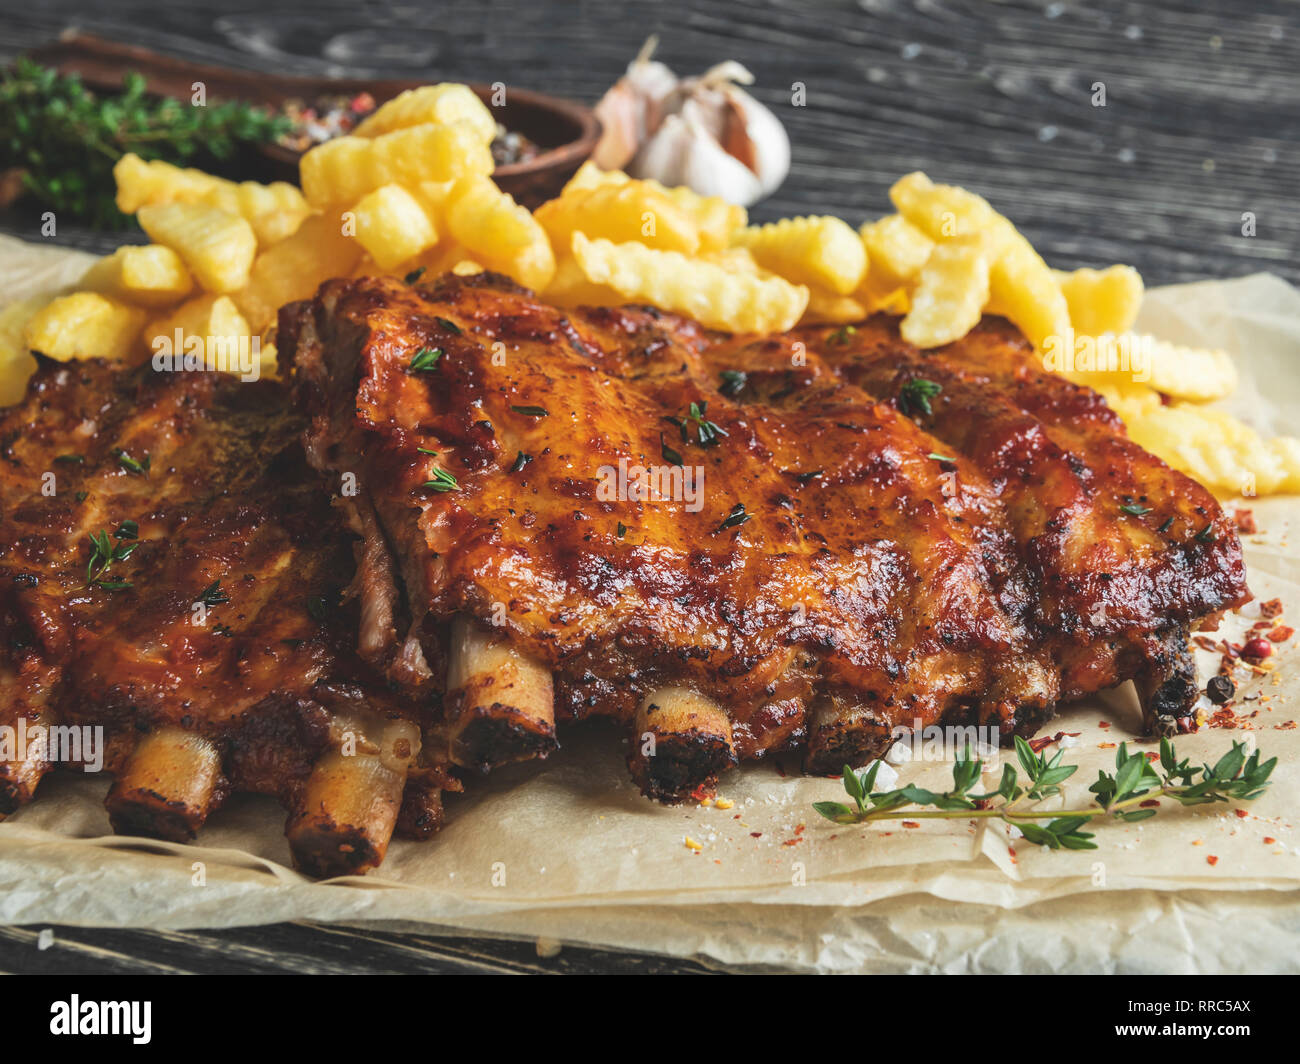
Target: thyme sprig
[[63, 139], [1128, 795], [104, 553], [707, 432]]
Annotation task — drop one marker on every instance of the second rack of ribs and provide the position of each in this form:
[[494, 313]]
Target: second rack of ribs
[[841, 551]]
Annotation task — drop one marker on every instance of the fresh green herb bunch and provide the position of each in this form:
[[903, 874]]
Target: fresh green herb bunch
[[1128, 795], [65, 140]]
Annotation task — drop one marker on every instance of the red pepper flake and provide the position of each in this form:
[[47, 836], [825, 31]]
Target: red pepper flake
[[1271, 608], [1151, 755], [792, 842], [1105, 746], [1044, 741], [800, 829], [1241, 814], [1281, 634], [1211, 860], [1103, 724], [1269, 840], [703, 792], [911, 824], [1150, 803], [1259, 626], [1245, 522], [1289, 725], [755, 834]]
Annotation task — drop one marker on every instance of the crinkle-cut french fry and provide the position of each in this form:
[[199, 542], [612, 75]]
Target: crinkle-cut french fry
[[274, 211], [896, 251], [141, 183], [950, 294], [947, 212], [716, 220], [212, 320], [1023, 289], [828, 308], [296, 267], [431, 104], [1218, 450], [881, 296], [816, 251], [16, 362], [715, 296], [393, 226], [571, 288], [85, 325], [1102, 301], [216, 245], [148, 275], [1192, 374], [631, 211], [344, 169], [500, 234]]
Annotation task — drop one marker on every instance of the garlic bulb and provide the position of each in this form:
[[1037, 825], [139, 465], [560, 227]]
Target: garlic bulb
[[706, 132]]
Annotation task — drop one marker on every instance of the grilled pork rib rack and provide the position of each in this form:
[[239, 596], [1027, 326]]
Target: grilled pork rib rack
[[869, 536], [883, 536], [201, 629]]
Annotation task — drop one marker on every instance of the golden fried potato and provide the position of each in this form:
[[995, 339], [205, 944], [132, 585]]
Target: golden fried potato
[[346, 168], [85, 325], [714, 295], [141, 183], [209, 329], [216, 245], [716, 220], [1023, 289], [629, 211], [819, 252], [828, 308], [896, 251], [431, 104], [1191, 374], [296, 267], [274, 211], [950, 293], [946, 212], [1218, 450], [1102, 301], [16, 361], [146, 276], [393, 226], [571, 288], [500, 234]]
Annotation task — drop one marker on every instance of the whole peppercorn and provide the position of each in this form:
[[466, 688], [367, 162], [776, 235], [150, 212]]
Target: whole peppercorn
[[1220, 689], [1257, 648]]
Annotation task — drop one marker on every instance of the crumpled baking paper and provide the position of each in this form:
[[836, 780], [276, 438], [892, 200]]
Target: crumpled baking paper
[[569, 850]]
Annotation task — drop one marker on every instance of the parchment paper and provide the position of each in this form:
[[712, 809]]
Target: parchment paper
[[569, 850]]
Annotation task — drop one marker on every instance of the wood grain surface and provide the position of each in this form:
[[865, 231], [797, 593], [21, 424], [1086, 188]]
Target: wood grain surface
[[1201, 125]]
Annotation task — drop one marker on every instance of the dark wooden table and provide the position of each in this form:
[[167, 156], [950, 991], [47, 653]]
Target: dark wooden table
[[1200, 126]]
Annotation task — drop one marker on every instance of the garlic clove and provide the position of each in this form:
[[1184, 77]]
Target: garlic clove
[[771, 143], [634, 108], [683, 152]]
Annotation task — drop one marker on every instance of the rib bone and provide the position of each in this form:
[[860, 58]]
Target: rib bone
[[682, 740], [500, 705], [349, 807], [167, 787]]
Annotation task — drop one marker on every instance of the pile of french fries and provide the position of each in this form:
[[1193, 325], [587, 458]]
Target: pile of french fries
[[411, 191]]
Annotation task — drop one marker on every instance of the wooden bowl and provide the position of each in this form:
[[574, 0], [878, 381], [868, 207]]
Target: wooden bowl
[[565, 130]]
